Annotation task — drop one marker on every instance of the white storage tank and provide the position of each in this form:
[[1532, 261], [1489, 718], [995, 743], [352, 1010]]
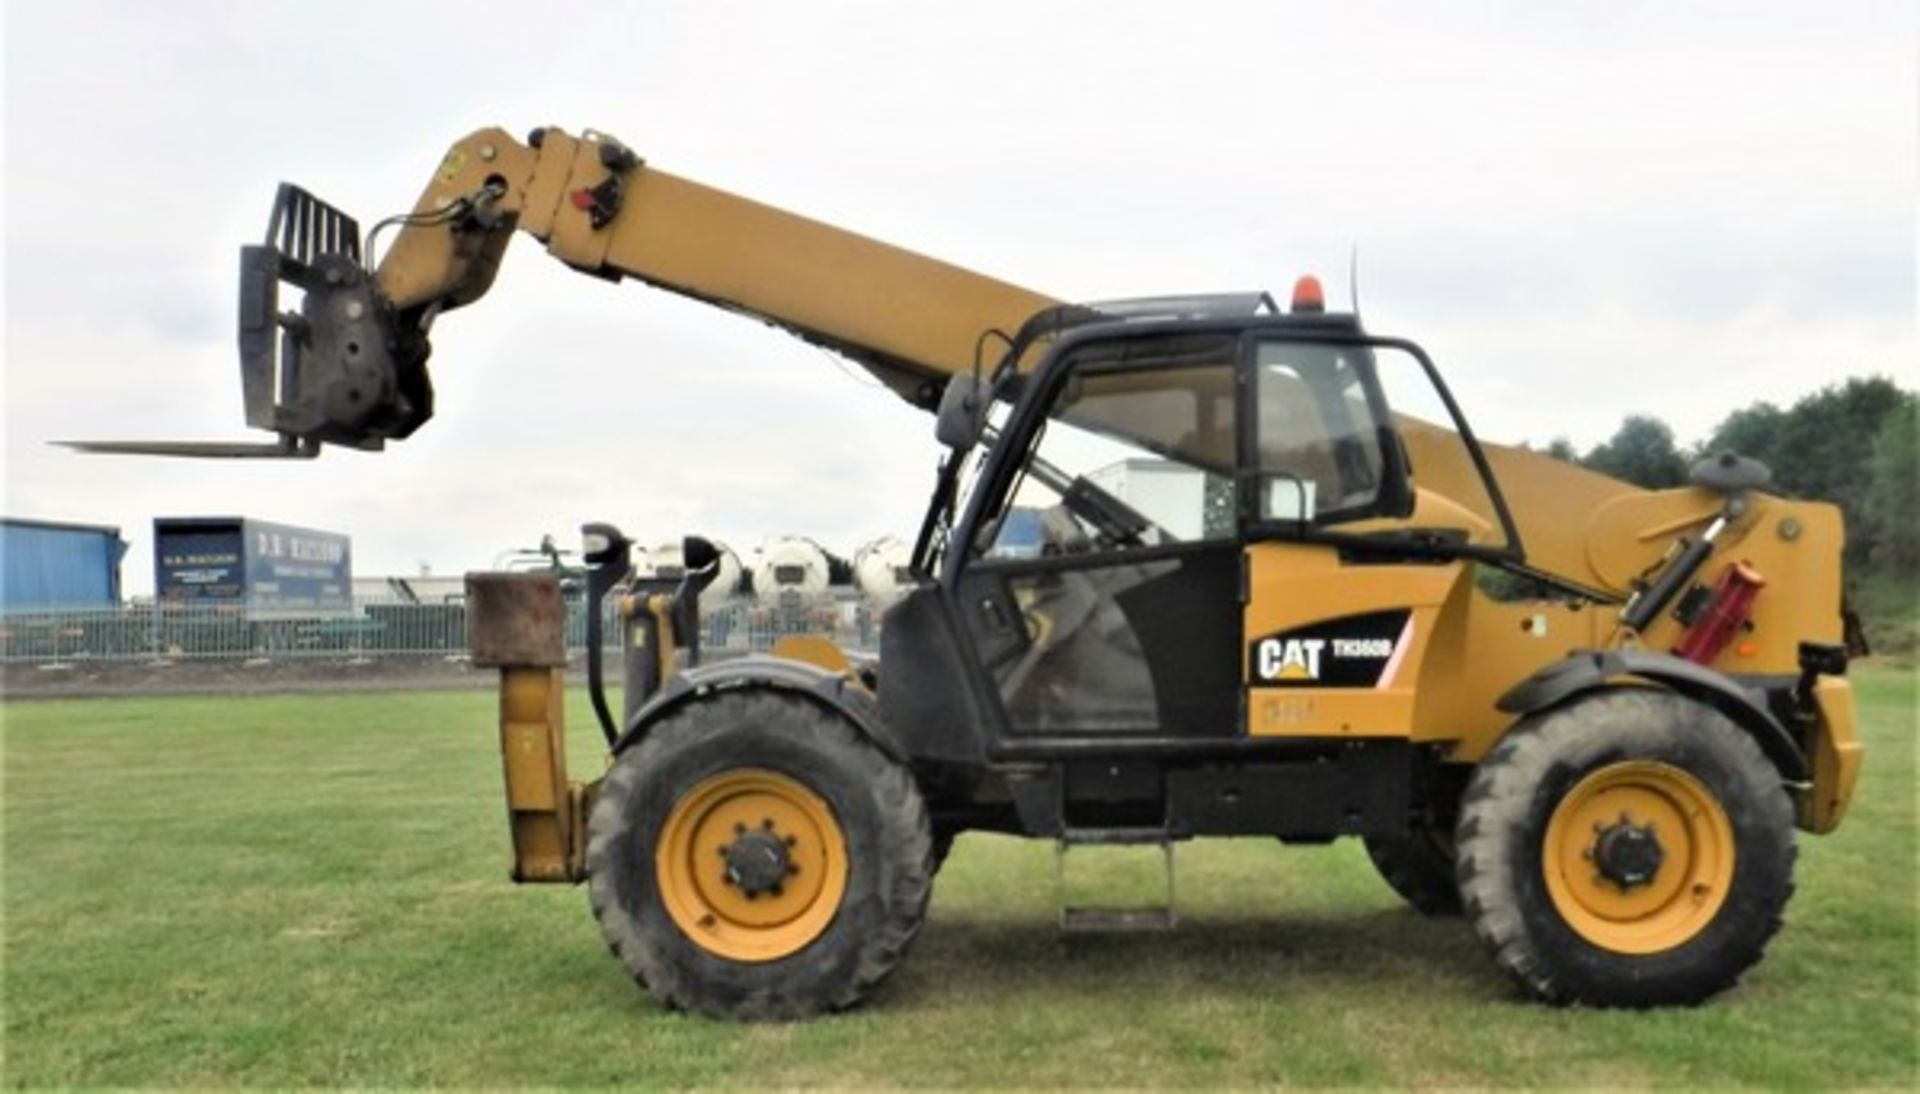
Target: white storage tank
[[881, 569], [793, 566], [668, 560]]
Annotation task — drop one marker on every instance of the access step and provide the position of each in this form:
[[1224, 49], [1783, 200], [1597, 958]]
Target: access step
[[1114, 837], [1088, 917]]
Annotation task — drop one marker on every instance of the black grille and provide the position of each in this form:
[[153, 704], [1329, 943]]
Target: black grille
[[303, 227]]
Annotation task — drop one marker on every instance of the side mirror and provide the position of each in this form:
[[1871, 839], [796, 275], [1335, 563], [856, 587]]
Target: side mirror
[[701, 559], [603, 547], [1284, 496], [962, 414]]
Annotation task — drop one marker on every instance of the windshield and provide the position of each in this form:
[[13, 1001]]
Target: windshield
[[1137, 450]]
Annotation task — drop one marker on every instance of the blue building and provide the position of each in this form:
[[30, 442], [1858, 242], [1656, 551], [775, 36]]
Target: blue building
[[45, 564], [1022, 534]]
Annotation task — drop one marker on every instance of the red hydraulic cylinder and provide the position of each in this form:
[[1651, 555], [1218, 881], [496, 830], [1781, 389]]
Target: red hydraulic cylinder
[[1729, 611]]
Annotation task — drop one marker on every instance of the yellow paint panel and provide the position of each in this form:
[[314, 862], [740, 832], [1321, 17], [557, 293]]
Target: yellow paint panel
[[810, 275], [1297, 585], [534, 762], [1550, 500], [814, 649], [1629, 533], [1484, 646], [1329, 712], [1432, 510], [1837, 755], [1293, 584], [427, 263], [547, 185], [573, 238], [660, 607], [530, 774], [1795, 546]]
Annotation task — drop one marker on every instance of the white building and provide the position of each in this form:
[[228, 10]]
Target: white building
[[1171, 495]]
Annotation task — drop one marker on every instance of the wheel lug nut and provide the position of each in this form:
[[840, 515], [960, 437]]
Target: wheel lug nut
[[766, 823], [739, 829]]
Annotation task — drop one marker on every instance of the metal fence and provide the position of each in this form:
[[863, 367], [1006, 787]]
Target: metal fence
[[170, 632]]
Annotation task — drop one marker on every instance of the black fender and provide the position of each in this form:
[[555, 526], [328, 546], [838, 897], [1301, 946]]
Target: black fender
[[1586, 670], [835, 692]]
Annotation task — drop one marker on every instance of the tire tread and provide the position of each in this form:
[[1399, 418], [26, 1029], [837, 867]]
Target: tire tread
[[896, 795], [1500, 797]]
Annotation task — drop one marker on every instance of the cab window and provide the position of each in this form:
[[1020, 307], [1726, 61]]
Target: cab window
[[1319, 455], [1137, 451]]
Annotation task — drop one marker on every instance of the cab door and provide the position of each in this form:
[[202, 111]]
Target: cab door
[[1349, 564], [1102, 584]]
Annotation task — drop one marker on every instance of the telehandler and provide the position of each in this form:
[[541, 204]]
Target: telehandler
[[1588, 716]]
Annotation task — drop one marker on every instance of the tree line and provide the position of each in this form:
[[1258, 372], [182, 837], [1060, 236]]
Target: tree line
[[1853, 443]]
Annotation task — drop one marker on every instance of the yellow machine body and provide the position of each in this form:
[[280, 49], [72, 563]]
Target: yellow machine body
[[914, 321], [1587, 715], [1467, 647]]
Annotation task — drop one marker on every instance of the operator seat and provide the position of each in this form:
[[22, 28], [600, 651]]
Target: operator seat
[[1084, 665]]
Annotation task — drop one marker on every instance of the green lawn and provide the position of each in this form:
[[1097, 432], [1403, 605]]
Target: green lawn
[[297, 890]]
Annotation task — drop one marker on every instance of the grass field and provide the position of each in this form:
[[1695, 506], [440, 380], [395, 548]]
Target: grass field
[[297, 890]]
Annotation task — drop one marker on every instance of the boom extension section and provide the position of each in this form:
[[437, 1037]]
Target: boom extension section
[[348, 367]]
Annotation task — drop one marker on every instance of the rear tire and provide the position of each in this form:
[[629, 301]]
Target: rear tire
[[1631, 849], [705, 932], [1419, 867]]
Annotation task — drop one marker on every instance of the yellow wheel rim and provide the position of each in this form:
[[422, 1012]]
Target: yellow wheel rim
[[751, 865], [1635, 908]]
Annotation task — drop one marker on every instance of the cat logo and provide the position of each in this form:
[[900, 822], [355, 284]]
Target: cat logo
[[1352, 651], [1291, 658]]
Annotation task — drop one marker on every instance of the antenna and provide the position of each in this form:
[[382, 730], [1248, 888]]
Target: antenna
[[1353, 277]]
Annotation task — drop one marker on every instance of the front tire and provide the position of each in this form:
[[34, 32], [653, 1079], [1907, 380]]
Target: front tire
[[755, 857], [1633, 848]]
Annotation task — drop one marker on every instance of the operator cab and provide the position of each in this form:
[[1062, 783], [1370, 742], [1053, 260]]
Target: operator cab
[[1094, 550], [1227, 410]]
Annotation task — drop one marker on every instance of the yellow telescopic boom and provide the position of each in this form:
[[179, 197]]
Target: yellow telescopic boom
[[598, 208]]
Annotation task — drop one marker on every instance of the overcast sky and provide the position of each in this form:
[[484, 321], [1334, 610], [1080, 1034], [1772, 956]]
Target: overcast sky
[[1580, 210]]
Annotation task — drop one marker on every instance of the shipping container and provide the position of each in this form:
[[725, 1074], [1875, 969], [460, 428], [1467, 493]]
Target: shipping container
[[48, 564], [271, 570]]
